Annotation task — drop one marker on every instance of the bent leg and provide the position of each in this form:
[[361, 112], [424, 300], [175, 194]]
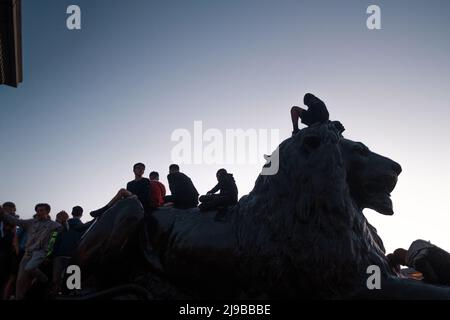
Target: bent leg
[[32, 267], [207, 197], [121, 194], [295, 115], [211, 202]]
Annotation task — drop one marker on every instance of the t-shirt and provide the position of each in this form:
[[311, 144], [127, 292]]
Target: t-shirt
[[141, 188], [227, 187], [183, 191], [158, 192], [317, 111]]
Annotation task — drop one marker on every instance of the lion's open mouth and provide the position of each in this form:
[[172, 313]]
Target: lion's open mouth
[[378, 194]]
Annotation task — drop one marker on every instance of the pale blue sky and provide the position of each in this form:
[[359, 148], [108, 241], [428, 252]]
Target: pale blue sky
[[95, 101]]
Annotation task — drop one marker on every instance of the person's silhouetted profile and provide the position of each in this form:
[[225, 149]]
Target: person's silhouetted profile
[[228, 195], [317, 112], [158, 190], [140, 187], [184, 195]]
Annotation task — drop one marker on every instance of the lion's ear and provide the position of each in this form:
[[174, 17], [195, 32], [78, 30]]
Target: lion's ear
[[311, 143]]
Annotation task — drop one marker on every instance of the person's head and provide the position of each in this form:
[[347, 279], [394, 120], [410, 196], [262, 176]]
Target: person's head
[[310, 99], [221, 173], [9, 207], [77, 212], [42, 211], [174, 168], [139, 169], [62, 217], [399, 256], [154, 175]]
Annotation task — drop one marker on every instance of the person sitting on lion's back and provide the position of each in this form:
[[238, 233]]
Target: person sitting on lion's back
[[228, 192], [140, 187], [158, 190], [184, 195], [317, 112]]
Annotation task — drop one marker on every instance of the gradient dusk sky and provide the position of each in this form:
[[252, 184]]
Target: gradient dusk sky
[[97, 100]]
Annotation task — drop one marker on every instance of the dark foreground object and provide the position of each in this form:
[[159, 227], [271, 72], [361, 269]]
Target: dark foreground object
[[300, 233]]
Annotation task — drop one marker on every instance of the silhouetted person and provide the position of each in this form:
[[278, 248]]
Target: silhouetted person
[[9, 253], [75, 221], [61, 218], [158, 191], [228, 195], [40, 230], [77, 213], [317, 112], [65, 246], [139, 186], [432, 261], [184, 195]]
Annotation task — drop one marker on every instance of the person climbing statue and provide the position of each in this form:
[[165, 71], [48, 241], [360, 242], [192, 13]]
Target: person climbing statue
[[317, 112]]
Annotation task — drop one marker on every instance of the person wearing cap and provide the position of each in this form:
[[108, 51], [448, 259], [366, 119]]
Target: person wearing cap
[[317, 112], [183, 195]]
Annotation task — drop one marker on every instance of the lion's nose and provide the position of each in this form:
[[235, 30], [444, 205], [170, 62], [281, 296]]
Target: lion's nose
[[396, 167]]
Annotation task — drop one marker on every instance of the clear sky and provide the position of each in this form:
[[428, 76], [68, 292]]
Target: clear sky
[[97, 100]]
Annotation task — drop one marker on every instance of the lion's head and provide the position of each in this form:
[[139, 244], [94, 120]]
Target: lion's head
[[309, 214], [371, 177]]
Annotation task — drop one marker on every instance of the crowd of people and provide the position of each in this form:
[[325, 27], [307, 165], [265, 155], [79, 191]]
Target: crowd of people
[[29, 245], [38, 250]]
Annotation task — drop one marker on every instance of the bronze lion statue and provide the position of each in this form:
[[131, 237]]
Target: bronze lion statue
[[300, 233]]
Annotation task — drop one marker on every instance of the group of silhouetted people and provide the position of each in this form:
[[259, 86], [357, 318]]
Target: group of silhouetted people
[[152, 193], [30, 248], [38, 250]]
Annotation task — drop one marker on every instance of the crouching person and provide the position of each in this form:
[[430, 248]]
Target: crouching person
[[228, 195], [432, 261], [39, 230]]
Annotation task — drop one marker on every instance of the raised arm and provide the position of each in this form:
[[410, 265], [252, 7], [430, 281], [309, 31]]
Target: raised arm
[[15, 221]]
